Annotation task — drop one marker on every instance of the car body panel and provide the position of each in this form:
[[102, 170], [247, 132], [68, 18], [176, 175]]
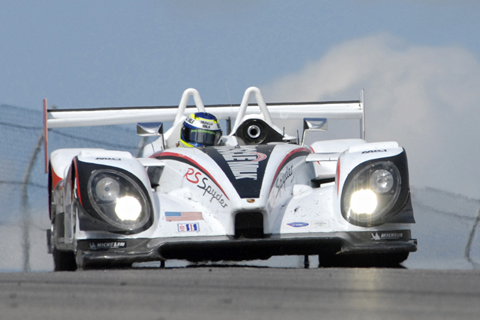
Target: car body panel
[[250, 197]]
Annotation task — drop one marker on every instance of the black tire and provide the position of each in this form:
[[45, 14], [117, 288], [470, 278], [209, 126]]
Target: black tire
[[64, 260], [388, 260]]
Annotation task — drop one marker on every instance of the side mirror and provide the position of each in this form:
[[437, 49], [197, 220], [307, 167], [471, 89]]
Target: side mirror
[[150, 129], [314, 125]]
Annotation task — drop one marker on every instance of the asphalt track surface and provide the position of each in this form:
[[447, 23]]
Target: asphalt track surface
[[212, 293]]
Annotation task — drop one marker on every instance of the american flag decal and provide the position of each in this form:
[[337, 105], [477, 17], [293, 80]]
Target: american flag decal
[[183, 216]]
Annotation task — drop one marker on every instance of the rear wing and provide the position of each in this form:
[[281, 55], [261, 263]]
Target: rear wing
[[55, 118]]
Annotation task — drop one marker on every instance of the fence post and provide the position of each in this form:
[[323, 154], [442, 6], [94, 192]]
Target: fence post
[[470, 240], [25, 208]]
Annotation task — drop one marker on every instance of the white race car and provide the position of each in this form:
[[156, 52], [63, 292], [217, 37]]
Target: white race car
[[260, 191]]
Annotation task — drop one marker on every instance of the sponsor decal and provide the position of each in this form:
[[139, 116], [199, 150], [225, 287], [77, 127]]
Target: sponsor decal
[[193, 176], [191, 162], [243, 166], [107, 245], [374, 151], [299, 152], [204, 123], [182, 216], [244, 161], [387, 236], [280, 183], [297, 224], [210, 190], [206, 185], [102, 158], [188, 227], [321, 224]]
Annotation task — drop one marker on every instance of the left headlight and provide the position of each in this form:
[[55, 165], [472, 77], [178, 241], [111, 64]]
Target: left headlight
[[118, 199], [370, 193]]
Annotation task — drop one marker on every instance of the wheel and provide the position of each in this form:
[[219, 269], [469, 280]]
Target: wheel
[[64, 260], [388, 260]]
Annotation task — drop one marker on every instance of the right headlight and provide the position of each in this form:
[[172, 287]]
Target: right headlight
[[118, 199], [370, 193]]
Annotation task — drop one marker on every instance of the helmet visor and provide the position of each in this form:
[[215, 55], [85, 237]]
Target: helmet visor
[[201, 136]]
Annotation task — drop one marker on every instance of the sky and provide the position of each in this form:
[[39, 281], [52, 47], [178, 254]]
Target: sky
[[418, 61]]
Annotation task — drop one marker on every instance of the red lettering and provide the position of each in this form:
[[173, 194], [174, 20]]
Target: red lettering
[[191, 172]]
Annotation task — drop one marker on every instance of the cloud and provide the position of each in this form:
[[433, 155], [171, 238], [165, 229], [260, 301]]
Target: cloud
[[424, 97]]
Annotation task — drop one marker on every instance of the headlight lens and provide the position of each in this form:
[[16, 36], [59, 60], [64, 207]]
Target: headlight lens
[[370, 193], [118, 199], [107, 189], [128, 208], [381, 181], [363, 202]]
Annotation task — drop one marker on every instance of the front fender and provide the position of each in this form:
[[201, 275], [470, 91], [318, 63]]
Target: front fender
[[113, 193], [354, 177]]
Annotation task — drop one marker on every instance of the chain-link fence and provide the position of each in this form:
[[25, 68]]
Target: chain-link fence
[[23, 182], [446, 223]]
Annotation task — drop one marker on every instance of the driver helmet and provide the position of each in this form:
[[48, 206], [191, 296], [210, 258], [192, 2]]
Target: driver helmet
[[200, 129]]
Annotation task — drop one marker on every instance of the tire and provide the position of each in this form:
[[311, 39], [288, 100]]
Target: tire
[[64, 260], [389, 260]]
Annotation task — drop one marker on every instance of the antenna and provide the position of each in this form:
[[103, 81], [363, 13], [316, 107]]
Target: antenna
[[228, 93], [362, 105], [229, 120]]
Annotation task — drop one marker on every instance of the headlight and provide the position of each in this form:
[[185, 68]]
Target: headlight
[[381, 181], [107, 189], [118, 199], [370, 192], [363, 202], [128, 208]]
